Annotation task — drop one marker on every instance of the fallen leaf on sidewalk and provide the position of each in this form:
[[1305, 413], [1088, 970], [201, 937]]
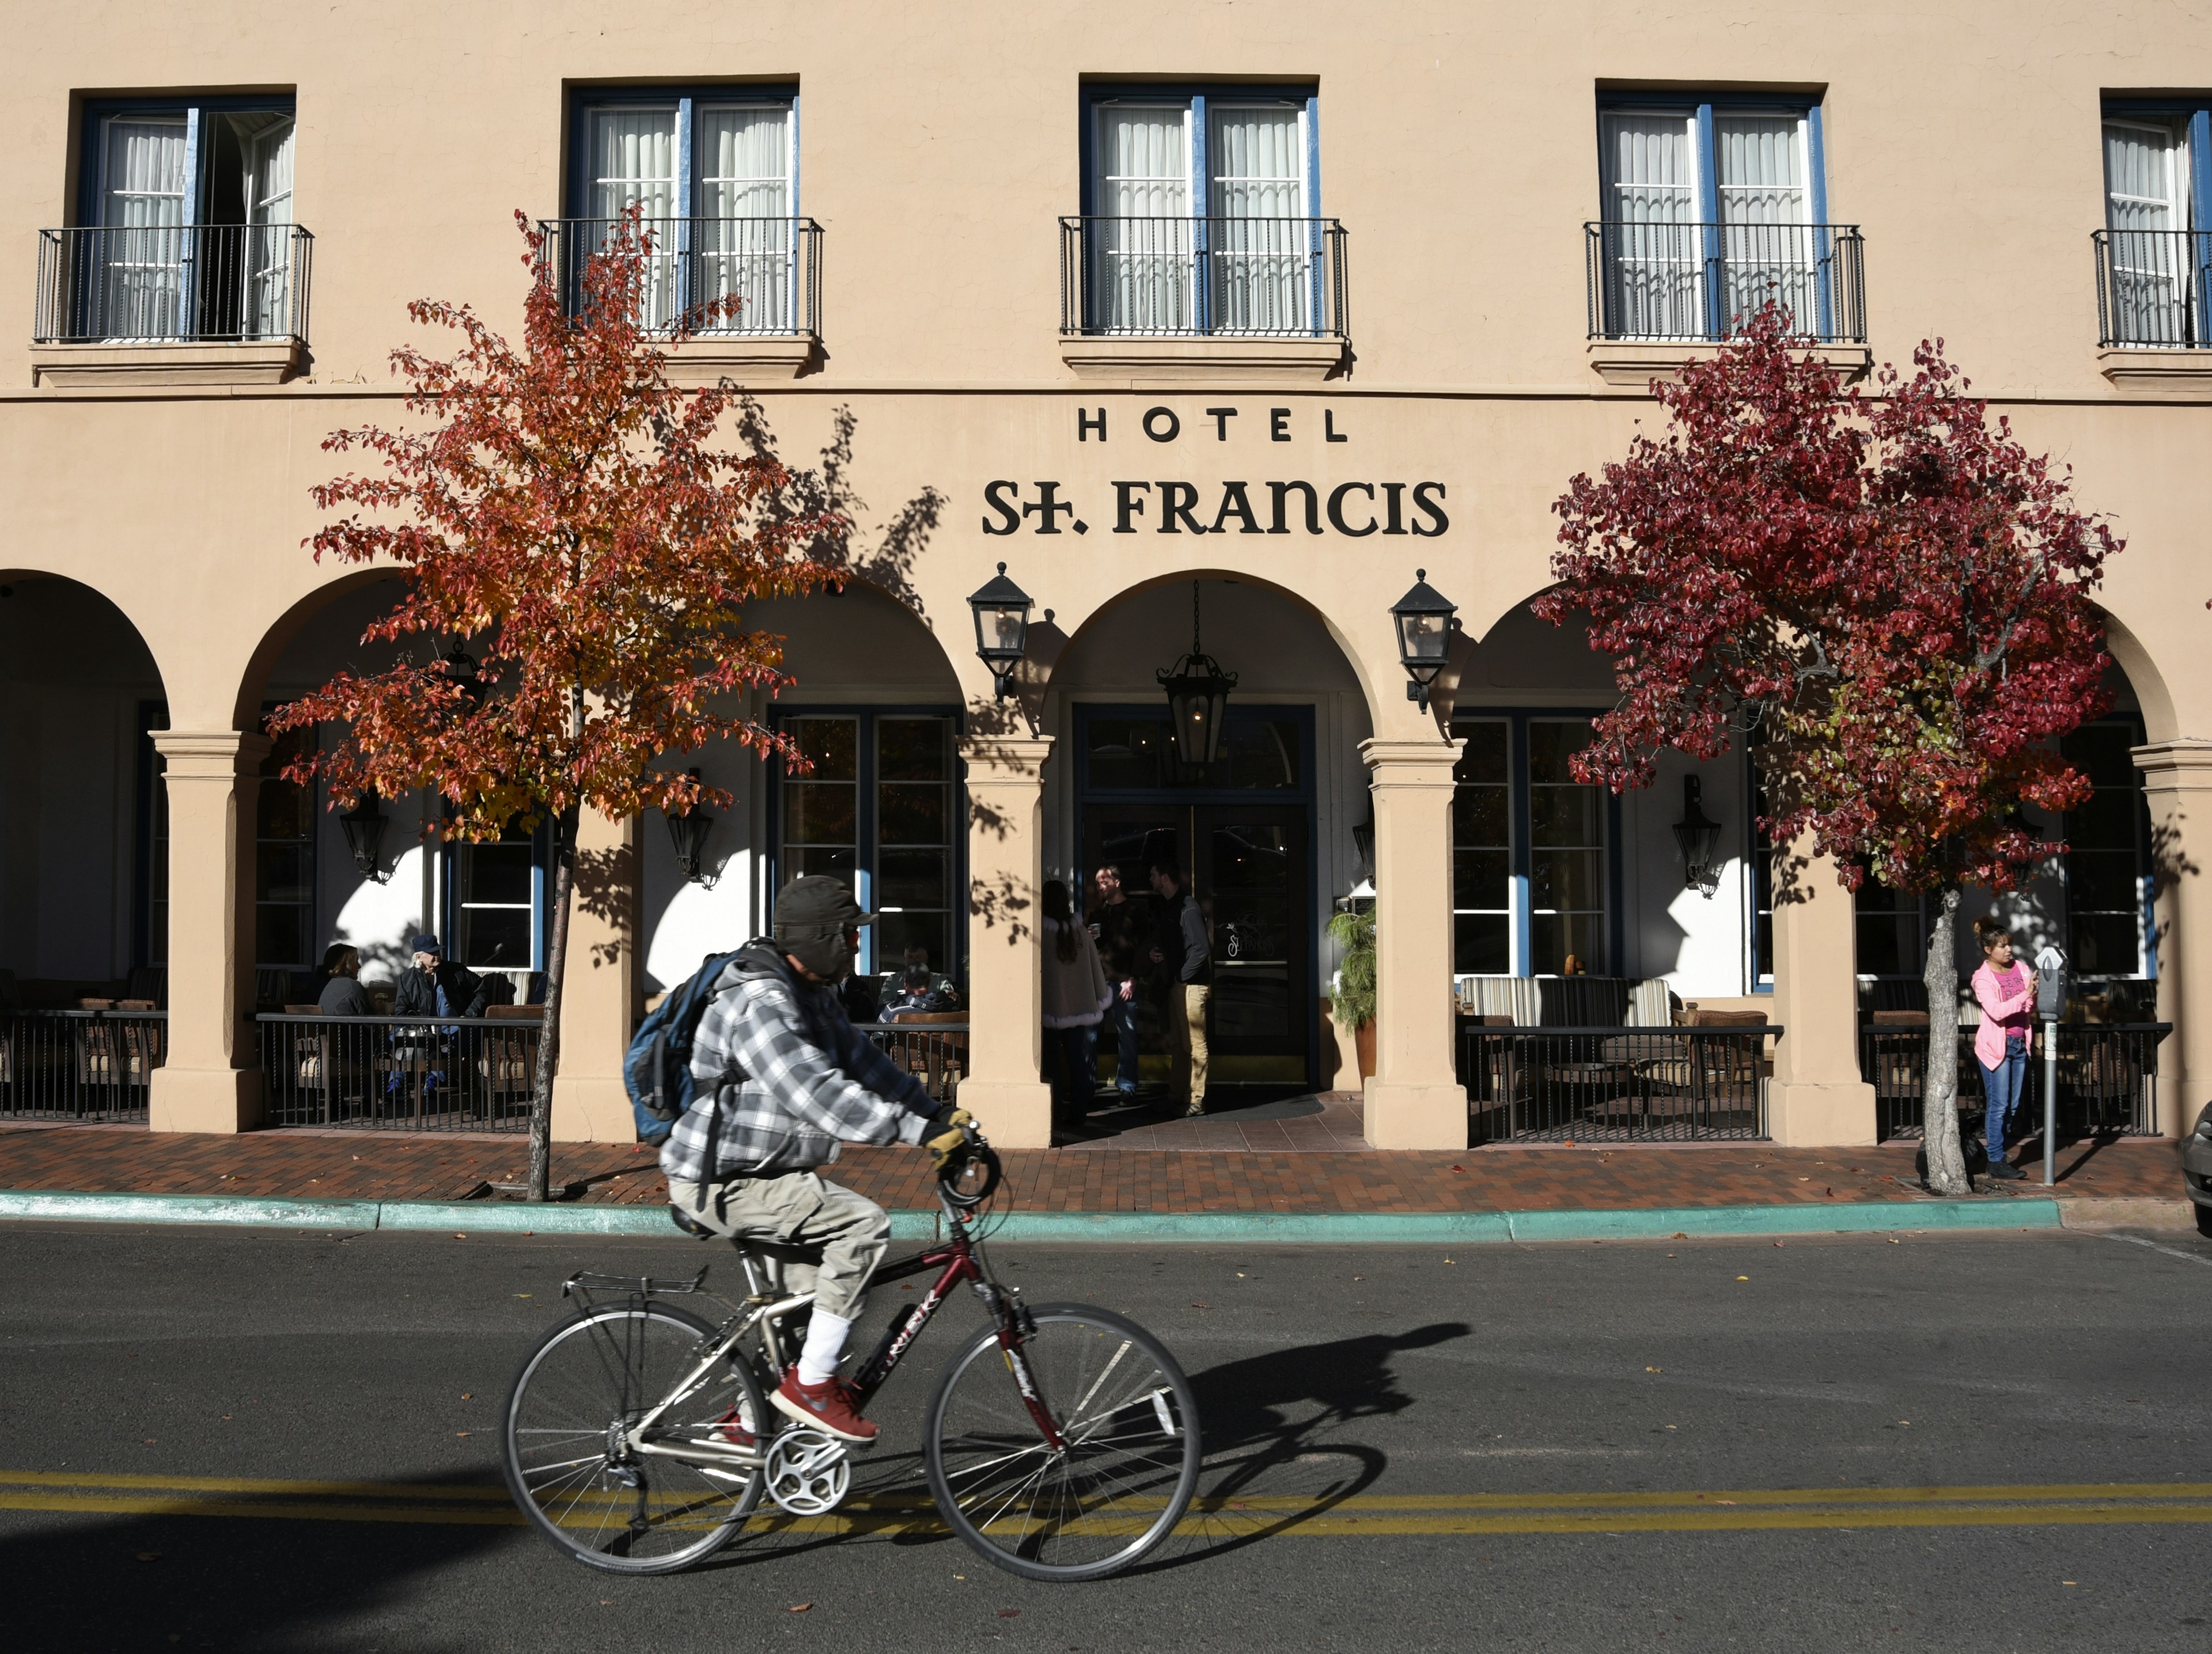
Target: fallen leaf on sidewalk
[[798, 1608], [155, 1556], [1195, 1305], [1010, 1613]]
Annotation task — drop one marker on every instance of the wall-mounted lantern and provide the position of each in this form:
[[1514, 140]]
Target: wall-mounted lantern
[[1002, 628], [687, 834], [1198, 698], [1423, 620], [363, 826], [1700, 840]]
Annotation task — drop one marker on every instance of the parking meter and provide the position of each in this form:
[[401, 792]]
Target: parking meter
[[2050, 1006], [2050, 991]]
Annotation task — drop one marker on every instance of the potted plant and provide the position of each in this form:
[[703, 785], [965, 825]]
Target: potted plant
[[1352, 998]]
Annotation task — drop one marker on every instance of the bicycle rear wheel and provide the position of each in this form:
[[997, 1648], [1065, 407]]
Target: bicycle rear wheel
[[615, 1503], [1122, 1477]]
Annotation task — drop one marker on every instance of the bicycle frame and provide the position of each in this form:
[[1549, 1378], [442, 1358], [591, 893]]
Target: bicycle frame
[[956, 1261]]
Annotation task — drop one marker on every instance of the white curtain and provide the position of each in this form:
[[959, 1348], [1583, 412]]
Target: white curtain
[[633, 162], [141, 255], [1652, 244], [268, 157], [1769, 248], [1259, 249], [1143, 249], [2147, 215], [743, 245]]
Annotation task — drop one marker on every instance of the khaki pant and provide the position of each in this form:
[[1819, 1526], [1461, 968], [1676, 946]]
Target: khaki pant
[[799, 1209], [1186, 1002]]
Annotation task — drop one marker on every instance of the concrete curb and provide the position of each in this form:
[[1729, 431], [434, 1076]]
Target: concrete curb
[[1362, 1228]]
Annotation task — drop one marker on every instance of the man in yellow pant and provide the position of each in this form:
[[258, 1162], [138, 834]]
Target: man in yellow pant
[[1185, 947]]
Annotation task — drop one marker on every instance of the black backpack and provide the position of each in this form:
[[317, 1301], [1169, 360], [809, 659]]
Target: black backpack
[[656, 1068]]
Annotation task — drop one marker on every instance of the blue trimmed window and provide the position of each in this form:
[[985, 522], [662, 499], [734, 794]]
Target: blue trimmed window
[[1534, 852], [183, 228], [2154, 253], [1201, 215], [1709, 206], [879, 808], [714, 172]]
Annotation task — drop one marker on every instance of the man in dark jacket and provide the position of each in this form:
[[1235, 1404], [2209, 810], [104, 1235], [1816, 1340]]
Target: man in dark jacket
[[1187, 950], [436, 986]]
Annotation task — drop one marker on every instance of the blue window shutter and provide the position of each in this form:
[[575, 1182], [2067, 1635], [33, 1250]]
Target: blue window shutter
[[686, 202], [795, 155], [1709, 211], [1201, 203], [2200, 170], [1816, 173], [1313, 155], [186, 300]]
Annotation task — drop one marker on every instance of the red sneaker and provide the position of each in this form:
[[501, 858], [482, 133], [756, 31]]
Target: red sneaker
[[730, 1431], [828, 1407]]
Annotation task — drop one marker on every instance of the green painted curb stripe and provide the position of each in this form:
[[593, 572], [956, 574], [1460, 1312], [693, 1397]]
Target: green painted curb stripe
[[1364, 1228]]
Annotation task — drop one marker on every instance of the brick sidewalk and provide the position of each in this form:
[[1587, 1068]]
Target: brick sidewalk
[[381, 1165]]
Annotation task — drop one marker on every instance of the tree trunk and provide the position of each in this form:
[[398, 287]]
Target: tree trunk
[[548, 1043], [1939, 1113]]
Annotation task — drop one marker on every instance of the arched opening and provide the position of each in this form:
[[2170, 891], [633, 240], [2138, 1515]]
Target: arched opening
[[876, 706], [1270, 836], [83, 890]]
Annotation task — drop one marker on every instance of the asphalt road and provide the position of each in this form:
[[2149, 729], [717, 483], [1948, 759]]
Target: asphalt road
[[1364, 1411]]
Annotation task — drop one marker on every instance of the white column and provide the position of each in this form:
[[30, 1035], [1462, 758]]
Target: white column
[[211, 1077], [1817, 1099], [1415, 1100], [1004, 1088]]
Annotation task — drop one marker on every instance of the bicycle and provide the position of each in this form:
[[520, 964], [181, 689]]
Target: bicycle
[[638, 1439]]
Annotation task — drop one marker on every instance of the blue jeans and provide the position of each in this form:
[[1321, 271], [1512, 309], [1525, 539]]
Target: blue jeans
[[1120, 1024], [2001, 1087]]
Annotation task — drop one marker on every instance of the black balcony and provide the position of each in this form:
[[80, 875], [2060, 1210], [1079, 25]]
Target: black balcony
[[1280, 278], [1701, 282], [2152, 285], [173, 283], [772, 266]]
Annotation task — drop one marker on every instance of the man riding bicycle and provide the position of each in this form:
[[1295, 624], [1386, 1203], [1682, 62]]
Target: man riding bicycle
[[782, 1080]]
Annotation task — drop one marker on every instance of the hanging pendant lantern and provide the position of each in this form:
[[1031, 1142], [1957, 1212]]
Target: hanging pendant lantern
[[1198, 698]]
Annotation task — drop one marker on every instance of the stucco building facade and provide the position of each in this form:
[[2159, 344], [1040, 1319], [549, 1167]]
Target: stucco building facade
[[1255, 312]]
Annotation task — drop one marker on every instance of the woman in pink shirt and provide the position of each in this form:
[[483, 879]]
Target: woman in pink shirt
[[2007, 993]]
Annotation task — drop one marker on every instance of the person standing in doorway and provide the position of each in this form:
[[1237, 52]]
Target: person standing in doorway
[[1118, 926], [1185, 949], [1075, 998], [2006, 989]]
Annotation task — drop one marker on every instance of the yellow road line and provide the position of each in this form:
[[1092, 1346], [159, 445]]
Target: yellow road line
[[1374, 1515]]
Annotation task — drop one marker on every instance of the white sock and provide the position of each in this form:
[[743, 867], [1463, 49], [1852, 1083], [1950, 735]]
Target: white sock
[[826, 1342]]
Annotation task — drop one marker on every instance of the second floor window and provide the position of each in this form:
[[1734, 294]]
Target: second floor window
[[186, 227], [1709, 211], [2156, 253], [1199, 214], [715, 180]]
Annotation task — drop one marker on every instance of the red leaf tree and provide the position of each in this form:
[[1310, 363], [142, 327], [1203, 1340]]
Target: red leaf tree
[[571, 522], [1887, 595]]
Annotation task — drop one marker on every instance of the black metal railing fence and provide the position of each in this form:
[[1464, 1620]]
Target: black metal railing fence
[[79, 1065], [2107, 1079], [173, 283], [1702, 281], [1616, 1084], [935, 1053], [772, 266], [2152, 285], [1203, 277]]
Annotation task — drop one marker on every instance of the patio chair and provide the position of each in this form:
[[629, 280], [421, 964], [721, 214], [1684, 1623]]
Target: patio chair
[[506, 1059]]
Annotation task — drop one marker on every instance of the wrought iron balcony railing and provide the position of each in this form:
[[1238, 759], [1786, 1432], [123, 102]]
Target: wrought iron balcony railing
[[1203, 277], [173, 283], [2152, 288], [1697, 281], [771, 266]]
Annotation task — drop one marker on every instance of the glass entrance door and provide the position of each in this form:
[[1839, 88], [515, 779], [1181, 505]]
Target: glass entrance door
[[1249, 865]]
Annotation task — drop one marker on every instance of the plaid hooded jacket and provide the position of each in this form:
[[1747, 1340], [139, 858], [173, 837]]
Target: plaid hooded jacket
[[783, 1080]]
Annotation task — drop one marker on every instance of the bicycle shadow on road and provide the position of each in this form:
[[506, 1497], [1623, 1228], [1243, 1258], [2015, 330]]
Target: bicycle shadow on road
[[243, 1583], [1275, 1452]]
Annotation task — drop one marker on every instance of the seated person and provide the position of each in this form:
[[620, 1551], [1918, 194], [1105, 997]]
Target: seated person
[[916, 995], [892, 982], [342, 994]]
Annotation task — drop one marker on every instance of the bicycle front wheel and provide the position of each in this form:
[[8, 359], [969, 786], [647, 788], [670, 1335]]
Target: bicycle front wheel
[[615, 1495], [1122, 1476]]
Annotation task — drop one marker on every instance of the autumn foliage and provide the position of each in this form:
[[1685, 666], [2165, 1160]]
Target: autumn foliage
[[1886, 593], [577, 547]]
